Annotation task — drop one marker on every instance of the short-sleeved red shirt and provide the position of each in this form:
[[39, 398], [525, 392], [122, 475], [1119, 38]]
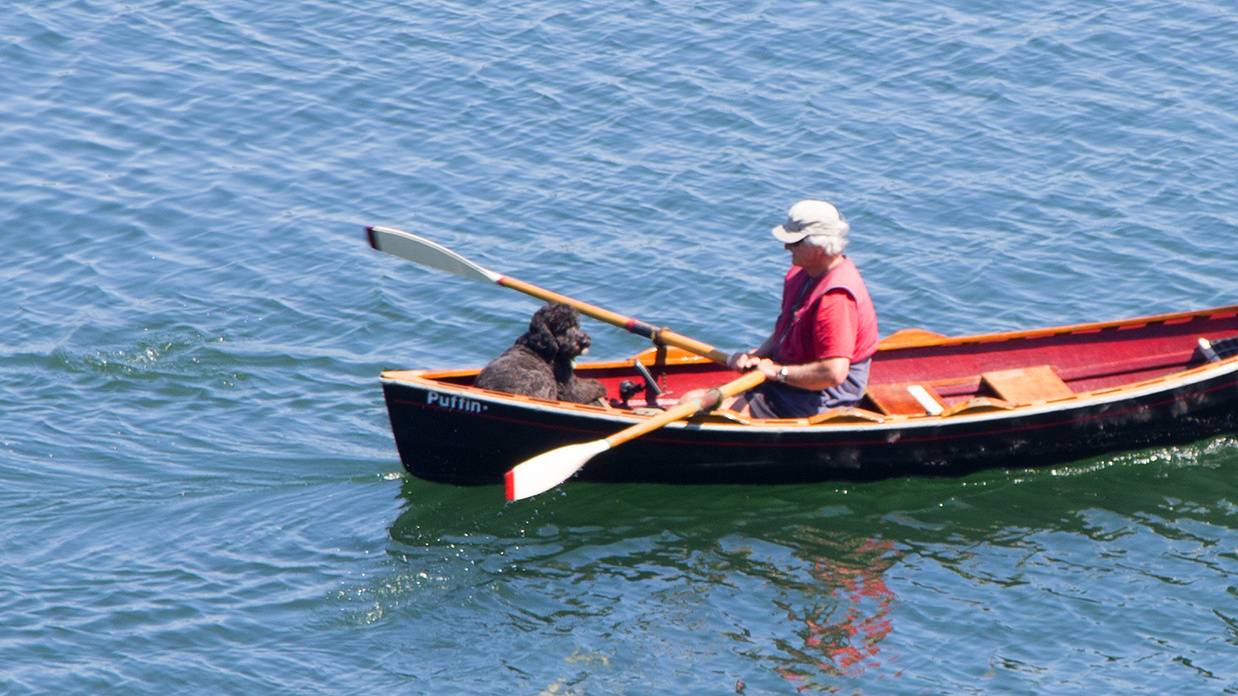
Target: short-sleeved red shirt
[[831, 318]]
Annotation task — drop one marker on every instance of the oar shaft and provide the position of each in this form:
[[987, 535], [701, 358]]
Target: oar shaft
[[551, 296], [434, 255], [549, 469], [711, 399], [635, 326]]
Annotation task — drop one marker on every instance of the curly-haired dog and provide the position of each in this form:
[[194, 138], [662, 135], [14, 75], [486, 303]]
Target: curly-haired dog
[[539, 363]]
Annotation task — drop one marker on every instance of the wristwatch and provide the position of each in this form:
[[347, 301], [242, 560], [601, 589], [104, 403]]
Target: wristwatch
[[782, 373]]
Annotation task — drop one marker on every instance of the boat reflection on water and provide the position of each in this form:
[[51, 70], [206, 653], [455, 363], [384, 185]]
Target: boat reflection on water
[[637, 588], [840, 635]]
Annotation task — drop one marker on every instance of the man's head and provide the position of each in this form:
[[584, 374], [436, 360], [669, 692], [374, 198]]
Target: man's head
[[817, 223]]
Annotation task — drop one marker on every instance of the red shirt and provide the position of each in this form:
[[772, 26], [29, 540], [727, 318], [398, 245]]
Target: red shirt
[[830, 318]]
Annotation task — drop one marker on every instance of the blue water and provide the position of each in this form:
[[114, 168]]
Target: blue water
[[198, 488]]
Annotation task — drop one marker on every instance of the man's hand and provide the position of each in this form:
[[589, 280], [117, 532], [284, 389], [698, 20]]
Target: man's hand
[[743, 362]]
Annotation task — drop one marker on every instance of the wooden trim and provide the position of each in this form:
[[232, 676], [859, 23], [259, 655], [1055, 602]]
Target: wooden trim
[[846, 414], [980, 404], [909, 338], [721, 415]]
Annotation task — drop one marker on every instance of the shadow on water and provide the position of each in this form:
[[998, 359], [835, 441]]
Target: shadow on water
[[796, 579]]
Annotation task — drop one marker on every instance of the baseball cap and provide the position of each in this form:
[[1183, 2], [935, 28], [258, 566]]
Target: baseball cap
[[810, 217]]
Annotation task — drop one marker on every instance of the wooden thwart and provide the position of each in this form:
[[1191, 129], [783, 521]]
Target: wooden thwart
[[1007, 389], [905, 399], [1026, 385]]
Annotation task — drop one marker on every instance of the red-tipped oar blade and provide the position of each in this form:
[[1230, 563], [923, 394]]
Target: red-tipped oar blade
[[549, 469]]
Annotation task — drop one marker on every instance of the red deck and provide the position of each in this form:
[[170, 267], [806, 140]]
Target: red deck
[[1086, 358]]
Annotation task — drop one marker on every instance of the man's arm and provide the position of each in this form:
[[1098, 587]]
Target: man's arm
[[814, 376]]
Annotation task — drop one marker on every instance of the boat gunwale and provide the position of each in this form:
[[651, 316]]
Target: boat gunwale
[[922, 339]]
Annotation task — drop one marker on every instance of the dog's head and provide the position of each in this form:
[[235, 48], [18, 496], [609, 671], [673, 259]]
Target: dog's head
[[555, 333]]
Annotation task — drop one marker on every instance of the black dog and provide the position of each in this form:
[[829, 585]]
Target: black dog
[[539, 363]]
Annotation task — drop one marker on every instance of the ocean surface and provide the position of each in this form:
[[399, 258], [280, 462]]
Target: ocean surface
[[199, 492]]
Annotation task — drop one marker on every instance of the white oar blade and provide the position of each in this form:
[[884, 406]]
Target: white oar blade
[[420, 250], [549, 469]]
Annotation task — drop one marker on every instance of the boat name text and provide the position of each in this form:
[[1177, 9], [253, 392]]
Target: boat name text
[[454, 402]]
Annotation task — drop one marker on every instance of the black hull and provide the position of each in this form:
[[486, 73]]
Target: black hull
[[462, 438]]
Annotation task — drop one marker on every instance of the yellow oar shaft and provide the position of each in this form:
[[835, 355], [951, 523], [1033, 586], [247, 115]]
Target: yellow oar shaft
[[549, 469], [635, 326]]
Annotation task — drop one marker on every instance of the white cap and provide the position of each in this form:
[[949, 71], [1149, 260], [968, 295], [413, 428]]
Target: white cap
[[811, 218]]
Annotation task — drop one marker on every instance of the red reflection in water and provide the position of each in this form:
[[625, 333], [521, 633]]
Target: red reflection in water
[[842, 636]]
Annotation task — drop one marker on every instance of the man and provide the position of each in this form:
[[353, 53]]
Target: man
[[819, 354]]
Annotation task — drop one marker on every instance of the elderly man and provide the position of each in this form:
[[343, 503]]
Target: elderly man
[[826, 334]]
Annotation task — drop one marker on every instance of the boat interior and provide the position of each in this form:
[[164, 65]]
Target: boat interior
[[918, 374]]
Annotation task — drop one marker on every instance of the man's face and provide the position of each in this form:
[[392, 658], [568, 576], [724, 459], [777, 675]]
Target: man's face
[[801, 252]]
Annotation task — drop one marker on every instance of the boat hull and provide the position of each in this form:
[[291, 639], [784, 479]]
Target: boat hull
[[451, 435]]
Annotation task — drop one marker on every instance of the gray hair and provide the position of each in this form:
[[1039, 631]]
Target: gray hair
[[832, 239]]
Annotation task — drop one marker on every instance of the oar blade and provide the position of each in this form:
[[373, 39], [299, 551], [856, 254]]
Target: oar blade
[[549, 469], [422, 251]]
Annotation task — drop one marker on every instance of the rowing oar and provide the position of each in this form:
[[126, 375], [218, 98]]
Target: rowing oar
[[427, 253], [549, 469]]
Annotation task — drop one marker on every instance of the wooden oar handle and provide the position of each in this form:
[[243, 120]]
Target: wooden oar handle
[[635, 326], [691, 345], [710, 400]]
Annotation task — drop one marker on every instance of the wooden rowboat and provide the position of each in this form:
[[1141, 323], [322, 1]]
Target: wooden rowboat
[[935, 405]]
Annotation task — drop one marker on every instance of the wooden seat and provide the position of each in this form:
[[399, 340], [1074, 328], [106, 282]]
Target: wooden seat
[[905, 399], [1026, 385]]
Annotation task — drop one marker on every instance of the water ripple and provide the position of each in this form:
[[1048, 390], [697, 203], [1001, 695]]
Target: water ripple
[[199, 481]]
